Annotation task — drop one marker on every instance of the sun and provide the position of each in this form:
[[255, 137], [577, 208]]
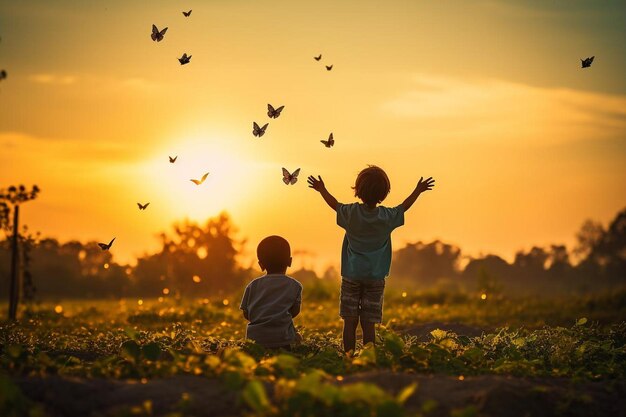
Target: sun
[[225, 188]]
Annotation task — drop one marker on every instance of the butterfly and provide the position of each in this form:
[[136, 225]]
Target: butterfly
[[143, 207], [156, 35], [330, 142], [184, 59], [328, 68], [586, 63], [104, 246], [272, 112], [258, 131], [172, 160], [290, 178], [200, 181], [317, 58], [187, 13], [3, 75]]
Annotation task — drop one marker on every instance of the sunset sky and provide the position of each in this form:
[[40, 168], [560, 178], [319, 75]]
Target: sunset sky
[[488, 97]]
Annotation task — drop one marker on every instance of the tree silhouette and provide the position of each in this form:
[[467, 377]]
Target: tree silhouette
[[10, 200]]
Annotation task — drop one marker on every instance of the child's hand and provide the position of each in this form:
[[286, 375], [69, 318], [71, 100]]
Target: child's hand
[[425, 185], [316, 184]]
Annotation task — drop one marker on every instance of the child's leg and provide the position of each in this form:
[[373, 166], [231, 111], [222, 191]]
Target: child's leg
[[369, 332], [372, 309], [349, 303], [349, 333]]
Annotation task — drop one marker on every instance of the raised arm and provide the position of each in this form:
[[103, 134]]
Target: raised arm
[[419, 189], [318, 185]]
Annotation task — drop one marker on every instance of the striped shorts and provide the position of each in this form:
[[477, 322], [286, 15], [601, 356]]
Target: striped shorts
[[363, 299]]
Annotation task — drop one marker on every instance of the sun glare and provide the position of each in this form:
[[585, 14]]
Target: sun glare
[[228, 170]]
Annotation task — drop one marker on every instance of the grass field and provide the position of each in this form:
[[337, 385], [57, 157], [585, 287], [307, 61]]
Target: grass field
[[439, 354]]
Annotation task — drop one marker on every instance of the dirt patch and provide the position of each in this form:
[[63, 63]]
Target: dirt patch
[[494, 395], [95, 397], [489, 395]]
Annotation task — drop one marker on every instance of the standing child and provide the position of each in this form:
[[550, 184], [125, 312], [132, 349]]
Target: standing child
[[271, 302], [366, 250]]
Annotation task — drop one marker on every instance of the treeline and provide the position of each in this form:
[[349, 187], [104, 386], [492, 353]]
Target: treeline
[[200, 260], [194, 260], [596, 263]]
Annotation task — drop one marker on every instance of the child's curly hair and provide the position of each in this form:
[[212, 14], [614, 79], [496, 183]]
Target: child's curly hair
[[372, 185]]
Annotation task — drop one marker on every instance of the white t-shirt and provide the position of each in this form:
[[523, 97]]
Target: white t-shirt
[[267, 301]]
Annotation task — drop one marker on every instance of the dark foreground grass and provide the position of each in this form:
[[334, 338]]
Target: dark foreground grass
[[438, 354]]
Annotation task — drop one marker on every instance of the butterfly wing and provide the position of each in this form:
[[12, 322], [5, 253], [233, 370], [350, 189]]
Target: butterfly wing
[[195, 182], [326, 143], [591, 60], [262, 129], [317, 58], [162, 32], [140, 206], [271, 112], [294, 176], [145, 206], [255, 129], [278, 110], [331, 140], [204, 177], [328, 68], [155, 32], [103, 246], [286, 176]]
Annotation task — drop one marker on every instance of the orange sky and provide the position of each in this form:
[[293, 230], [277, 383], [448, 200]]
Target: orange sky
[[487, 97]]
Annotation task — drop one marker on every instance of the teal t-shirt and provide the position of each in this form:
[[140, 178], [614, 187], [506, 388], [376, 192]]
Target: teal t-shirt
[[366, 250]]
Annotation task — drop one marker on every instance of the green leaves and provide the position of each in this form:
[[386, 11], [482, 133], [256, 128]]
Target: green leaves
[[255, 396], [151, 351], [130, 350]]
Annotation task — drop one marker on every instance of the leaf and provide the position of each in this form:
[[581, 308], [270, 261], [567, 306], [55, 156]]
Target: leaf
[[151, 351], [406, 393], [130, 350], [255, 396], [581, 321], [394, 344], [438, 334]]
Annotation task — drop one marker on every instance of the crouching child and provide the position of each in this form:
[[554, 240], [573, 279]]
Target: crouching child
[[272, 301]]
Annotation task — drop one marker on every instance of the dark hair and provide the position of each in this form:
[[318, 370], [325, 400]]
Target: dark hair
[[372, 185], [274, 253]]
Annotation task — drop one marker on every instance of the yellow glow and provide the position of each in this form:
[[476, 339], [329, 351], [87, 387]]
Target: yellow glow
[[225, 302], [166, 291], [160, 299], [58, 309], [140, 302], [339, 378], [225, 159], [106, 266], [202, 253], [461, 377], [403, 294], [483, 296], [504, 130], [196, 279]]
